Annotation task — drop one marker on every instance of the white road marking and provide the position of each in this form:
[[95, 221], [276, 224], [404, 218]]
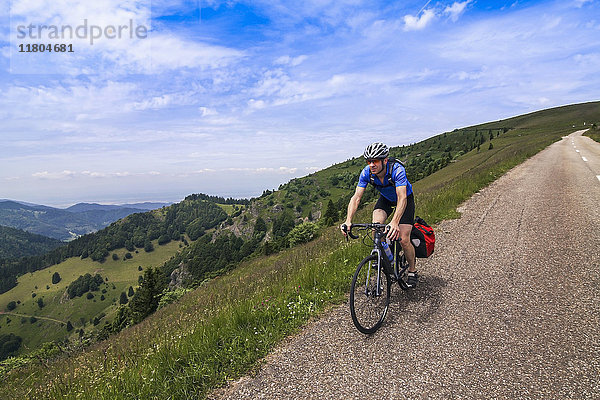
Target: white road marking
[[598, 176], [577, 151], [584, 159]]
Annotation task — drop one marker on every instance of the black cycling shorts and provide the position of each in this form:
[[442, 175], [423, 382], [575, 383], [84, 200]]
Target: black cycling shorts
[[409, 212]]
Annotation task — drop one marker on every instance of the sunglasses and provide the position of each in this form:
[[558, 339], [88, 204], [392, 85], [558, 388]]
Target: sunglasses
[[373, 160]]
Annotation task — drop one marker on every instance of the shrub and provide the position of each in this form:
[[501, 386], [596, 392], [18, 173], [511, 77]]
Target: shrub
[[169, 296], [9, 344], [305, 232], [11, 305], [40, 303], [89, 296], [164, 239], [55, 278], [83, 284], [148, 247]]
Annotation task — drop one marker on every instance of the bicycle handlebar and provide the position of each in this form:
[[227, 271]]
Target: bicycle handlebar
[[379, 227]]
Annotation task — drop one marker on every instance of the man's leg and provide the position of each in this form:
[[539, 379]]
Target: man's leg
[[379, 216], [409, 250]]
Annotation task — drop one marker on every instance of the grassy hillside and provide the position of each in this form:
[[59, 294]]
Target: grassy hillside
[[594, 132], [221, 329], [52, 318]]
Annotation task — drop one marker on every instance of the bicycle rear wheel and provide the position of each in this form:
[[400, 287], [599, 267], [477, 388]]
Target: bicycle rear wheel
[[368, 306]]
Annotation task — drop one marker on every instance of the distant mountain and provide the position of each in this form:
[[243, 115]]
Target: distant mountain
[[15, 243], [83, 207], [65, 224]]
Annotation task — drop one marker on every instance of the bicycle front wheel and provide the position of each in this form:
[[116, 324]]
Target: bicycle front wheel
[[369, 295]]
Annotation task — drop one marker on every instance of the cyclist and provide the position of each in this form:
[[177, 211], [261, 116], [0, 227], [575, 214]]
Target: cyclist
[[389, 178]]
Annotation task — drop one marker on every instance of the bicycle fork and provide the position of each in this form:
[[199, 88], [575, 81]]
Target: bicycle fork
[[378, 287]]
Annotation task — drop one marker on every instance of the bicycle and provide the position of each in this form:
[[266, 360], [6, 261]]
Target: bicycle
[[371, 285]]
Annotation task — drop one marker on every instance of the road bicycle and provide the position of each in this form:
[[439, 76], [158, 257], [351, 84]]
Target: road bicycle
[[372, 282]]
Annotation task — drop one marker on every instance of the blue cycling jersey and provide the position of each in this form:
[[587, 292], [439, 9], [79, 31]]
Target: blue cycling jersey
[[397, 177]]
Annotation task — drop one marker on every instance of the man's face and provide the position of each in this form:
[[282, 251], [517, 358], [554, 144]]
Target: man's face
[[375, 165]]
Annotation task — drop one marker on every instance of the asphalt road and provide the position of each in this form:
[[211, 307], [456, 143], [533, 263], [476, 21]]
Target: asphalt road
[[507, 308]]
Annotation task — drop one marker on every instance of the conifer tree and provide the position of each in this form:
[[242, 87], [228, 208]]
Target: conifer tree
[[331, 214], [145, 300]]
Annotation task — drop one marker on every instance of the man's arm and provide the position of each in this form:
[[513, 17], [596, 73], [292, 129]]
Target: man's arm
[[353, 205], [394, 232]]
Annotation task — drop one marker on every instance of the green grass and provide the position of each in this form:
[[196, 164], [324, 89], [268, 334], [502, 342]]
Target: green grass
[[79, 310], [229, 208], [593, 134], [221, 330]]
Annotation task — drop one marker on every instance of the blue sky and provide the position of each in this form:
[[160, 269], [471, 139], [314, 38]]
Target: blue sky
[[235, 97]]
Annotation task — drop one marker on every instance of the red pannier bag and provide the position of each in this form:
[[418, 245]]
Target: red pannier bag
[[422, 238]]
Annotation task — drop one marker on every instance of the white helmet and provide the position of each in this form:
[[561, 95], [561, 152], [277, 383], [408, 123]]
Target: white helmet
[[376, 151]]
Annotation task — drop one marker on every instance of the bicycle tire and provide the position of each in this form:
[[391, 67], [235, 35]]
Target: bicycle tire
[[367, 309]]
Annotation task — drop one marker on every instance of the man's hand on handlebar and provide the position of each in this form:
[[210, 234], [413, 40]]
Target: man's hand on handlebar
[[345, 228], [393, 231]]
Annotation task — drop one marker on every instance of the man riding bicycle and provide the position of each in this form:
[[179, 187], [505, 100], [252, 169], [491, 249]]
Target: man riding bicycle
[[389, 178]]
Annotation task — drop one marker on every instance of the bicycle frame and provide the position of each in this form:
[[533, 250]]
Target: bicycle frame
[[394, 270]]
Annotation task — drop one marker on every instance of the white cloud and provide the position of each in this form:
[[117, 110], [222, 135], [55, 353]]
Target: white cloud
[[102, 34], [456, 9], [54, 175], [291, 61], [165, 101], [207, 111], [415, 23]]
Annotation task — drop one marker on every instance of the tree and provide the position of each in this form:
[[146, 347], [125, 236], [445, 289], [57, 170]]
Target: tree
[[283, 224], [260, 226], [122, 320], [491, 146], [40, 303], [55, 278], [148, 247], [145, 300], [164, 239], [130, 292], [123, 299], [331, 214], [69, 326]]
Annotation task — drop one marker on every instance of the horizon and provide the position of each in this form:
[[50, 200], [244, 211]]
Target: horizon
[[234, 98]]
